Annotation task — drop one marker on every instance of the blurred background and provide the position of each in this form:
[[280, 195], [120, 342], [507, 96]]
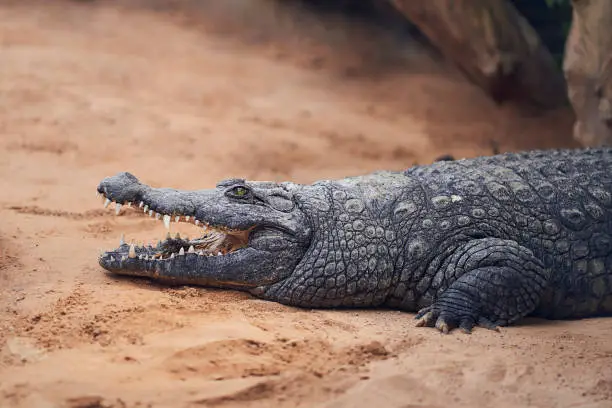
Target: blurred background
[[281, 89]]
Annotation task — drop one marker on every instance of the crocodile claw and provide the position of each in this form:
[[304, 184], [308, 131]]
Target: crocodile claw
[[425, 318], [445, 323]]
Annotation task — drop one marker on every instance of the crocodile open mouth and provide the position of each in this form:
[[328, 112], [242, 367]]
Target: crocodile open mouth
[[214, 241]]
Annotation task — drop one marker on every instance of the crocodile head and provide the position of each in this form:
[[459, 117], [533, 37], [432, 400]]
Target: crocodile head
[[252, 233]]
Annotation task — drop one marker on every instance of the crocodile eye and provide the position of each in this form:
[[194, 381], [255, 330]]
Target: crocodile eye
[[239, 192]]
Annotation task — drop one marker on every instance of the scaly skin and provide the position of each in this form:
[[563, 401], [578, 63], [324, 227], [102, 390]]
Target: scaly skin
[[482, 241]]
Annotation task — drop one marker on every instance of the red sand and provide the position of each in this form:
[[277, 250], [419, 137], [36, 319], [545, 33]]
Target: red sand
[[238, 89]]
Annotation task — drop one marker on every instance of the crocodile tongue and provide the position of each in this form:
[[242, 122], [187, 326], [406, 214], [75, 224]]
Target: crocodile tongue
[[213, 242]]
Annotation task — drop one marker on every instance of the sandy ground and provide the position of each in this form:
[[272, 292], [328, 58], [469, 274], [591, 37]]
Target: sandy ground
[[236, 88]]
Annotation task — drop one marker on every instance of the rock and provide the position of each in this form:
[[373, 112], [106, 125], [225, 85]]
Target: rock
[[494, 45], [588, 71], [24, 348]]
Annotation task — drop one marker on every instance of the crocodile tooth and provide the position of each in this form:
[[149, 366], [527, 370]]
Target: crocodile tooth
[[177, 218], [123, 258], [172, 256], [112, 259], [122, 240], [157, 216], [117, 208], [167, 221], [181, 251], [197, 223], [139, 256], [141, 204], [129, 204], [219, 253], [150, 213], [191, 250], [132, 251], [146, 209], [106, 202], [201, 253]]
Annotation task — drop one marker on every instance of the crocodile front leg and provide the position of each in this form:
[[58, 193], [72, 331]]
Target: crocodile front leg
[[499, 281]]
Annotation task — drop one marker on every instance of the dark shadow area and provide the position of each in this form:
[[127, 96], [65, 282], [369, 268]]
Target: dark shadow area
[[551, 23], [374, 12]]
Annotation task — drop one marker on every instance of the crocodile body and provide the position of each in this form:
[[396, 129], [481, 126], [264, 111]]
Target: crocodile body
[[481, 241]]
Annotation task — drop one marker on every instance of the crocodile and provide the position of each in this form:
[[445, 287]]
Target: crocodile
[[474, 242]]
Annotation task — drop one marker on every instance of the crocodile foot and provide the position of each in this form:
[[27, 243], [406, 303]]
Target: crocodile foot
[[445, 322], [499, 282]]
